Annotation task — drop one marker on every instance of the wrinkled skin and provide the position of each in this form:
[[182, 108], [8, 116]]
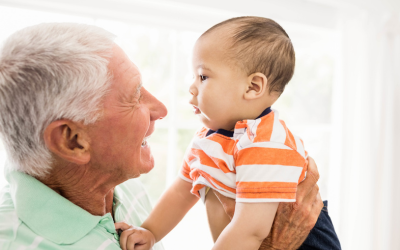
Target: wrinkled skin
[[293, 221]]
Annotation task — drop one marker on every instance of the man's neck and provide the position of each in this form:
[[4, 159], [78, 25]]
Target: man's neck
[[83, 186]]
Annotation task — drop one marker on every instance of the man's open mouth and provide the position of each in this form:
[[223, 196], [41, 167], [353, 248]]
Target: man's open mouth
[[144, 142]]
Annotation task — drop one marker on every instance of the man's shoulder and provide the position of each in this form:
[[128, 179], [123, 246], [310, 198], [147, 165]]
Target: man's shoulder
[[5, 199], [6, 206], [9, 221]]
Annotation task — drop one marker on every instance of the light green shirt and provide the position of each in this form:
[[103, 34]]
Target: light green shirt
[[33, 216]]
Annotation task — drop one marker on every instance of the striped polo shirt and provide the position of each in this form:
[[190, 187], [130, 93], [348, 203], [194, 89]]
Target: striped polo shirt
[[33, 216], [260, 161]]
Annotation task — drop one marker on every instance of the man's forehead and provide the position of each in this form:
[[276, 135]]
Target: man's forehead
[[129, 70], [121, 66], [127, 79]]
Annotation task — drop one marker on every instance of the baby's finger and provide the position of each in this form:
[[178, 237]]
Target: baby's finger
[[136, 238], [142, 247], [123, 238], [121, 225]]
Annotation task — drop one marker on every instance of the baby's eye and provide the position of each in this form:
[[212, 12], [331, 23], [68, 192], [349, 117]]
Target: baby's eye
[[203, 78]]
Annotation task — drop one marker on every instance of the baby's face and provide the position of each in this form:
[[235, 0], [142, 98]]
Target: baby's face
[[218, 87]]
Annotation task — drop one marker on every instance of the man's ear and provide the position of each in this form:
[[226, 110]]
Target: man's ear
[[257, 84], [68, 140]]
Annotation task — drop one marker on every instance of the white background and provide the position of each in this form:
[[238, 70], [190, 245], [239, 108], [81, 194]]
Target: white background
[[343, 100]]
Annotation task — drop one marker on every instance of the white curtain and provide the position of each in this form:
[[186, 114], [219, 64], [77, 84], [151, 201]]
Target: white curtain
[[364, 186]]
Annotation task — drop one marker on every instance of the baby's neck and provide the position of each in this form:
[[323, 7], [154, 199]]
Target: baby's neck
[[250, 116], [254, 114]]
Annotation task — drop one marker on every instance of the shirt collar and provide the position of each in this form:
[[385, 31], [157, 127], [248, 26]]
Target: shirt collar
[[265, 112], [220, 131], [47, 213], [228, 133]]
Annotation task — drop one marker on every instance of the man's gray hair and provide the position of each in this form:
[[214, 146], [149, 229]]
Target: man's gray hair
[[49, 72]]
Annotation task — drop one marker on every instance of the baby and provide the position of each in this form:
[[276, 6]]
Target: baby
[[244, 151]]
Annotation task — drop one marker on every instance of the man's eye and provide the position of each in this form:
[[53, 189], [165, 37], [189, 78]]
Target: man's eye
[[203, 78], [138, 96]]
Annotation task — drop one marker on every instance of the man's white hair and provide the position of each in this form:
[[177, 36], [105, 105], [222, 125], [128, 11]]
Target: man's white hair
[[49, 72]]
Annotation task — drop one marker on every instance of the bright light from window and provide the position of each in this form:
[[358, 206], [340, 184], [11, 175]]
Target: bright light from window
[[163, 57]]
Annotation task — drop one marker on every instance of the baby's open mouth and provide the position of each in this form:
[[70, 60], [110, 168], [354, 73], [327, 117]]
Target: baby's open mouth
[[196, 110]]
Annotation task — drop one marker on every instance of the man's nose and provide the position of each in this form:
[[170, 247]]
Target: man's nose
[[157, 109]]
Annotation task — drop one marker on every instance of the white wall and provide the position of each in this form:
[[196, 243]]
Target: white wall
[[361, 172]]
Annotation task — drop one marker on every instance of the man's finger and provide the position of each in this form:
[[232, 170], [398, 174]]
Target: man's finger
[[311, 179], [318, 202], [312, 169], [315, 210], [312, 194]]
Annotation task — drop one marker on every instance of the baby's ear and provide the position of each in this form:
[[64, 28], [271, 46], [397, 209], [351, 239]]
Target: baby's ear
[[257, 84]]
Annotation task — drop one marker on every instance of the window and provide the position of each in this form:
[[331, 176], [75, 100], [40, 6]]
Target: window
[[163, 57]]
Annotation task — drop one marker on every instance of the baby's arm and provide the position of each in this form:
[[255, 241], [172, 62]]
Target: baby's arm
[[170, 209], [250, 225]]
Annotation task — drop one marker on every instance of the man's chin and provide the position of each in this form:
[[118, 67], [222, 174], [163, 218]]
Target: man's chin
[[147, 165]]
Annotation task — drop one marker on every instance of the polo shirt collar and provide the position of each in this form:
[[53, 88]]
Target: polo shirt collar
[[220, 131], [47, 213], [228, 133], [265, 112]]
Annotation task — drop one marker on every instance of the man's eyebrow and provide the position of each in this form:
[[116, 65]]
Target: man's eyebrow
[[138, 88], [202, 66], [134, 94]]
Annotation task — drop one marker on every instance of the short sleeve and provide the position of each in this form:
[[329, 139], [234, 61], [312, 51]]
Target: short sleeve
[[268, 172], [184, 172]]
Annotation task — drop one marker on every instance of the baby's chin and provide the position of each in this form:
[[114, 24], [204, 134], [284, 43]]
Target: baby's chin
[[215, 125], [207, 123]]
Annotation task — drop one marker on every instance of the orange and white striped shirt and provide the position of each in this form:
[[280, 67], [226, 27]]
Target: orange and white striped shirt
[[260, 161]]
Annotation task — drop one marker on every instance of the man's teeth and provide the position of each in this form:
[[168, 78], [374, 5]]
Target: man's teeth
[[144, 142]]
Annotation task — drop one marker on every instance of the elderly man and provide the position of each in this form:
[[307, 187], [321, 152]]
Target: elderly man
[[74, 118]]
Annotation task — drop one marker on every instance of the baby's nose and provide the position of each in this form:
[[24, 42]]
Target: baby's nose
[[193, 90]]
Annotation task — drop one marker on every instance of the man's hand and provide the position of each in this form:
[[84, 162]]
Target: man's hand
[[134, 238], [293, 221]]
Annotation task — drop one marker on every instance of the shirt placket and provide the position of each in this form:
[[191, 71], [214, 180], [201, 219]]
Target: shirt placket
[[107, 223]]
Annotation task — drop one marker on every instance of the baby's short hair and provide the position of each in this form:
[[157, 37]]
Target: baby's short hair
[[261, 45]]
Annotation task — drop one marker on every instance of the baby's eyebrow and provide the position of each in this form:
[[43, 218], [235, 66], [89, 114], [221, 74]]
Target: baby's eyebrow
[[202, 66]]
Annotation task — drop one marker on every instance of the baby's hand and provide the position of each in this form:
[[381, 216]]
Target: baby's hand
[[134, 238]]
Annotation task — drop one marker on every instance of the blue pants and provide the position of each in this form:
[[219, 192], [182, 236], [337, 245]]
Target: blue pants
[[323, 235]]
